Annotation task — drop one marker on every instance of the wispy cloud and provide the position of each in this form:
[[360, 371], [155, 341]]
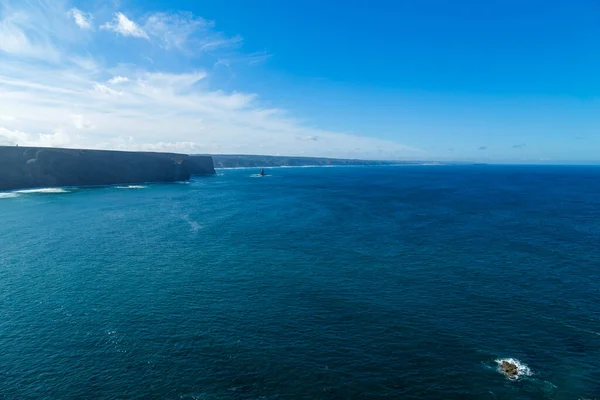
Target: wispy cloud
[[118, 79], [20, 36], [181, 30], [103, 89], [221, 42], [85, 62], [145, 57], [482, 148], [518, 146], [243, 59], [187, 32], [174, 30], [80, 122], [82, 19], [124, 26], [169, 81], [257, 58], [101, 98]]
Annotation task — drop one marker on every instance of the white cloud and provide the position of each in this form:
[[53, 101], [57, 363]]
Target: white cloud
[[187, 32], [11, 138], [83, 20], [124, 26], [58, 138], [80, 122], [171, 112], [177, 107], [118, 79], [40, 29], [19, 36], [106, 90]]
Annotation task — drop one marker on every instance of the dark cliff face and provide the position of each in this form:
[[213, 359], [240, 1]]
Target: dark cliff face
[[24, 167], [199, 165]]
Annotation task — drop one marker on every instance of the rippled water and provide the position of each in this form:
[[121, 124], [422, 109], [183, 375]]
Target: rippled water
[[311, 283]]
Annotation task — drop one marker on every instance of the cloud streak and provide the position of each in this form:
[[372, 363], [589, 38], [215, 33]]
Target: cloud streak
[[118, 79], [21, 37], [125, 27], [98, 98], [83, 20], [103, 89]]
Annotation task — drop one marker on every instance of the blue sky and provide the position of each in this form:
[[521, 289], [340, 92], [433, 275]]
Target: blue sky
[[497, 81]]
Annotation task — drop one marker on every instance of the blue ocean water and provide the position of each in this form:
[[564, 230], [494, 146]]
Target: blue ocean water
[[311, 283]]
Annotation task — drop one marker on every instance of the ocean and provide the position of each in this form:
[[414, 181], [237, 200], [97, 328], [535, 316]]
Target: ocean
[[409, 282]]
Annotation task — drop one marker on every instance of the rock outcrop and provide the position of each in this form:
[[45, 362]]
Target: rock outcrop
[[511, 370], [29, 167]]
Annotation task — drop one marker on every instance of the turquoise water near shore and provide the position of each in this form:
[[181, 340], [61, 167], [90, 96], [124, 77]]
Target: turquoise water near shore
[[311, 283]]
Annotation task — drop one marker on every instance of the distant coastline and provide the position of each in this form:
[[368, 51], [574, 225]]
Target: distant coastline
[[239, 161], [42, 167], [330, 166]]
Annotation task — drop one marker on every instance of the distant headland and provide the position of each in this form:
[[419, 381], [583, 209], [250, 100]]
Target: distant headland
[[37, 167], [31, 167], [253, 161]]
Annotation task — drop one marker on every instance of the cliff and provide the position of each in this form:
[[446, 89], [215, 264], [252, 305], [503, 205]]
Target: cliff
[[199, 165], [27, 167]]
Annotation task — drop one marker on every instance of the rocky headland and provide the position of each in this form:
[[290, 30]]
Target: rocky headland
[[33, 167]]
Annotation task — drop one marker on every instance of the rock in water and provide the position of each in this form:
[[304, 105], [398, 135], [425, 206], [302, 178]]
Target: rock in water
[[509, 369]]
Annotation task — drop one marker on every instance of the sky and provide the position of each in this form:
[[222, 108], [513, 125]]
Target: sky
[[463, 80]]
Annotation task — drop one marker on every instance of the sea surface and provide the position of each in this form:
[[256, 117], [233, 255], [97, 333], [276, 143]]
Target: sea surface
[[408, 282]]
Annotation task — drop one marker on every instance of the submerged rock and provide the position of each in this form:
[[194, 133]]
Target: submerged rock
[[510, 369]]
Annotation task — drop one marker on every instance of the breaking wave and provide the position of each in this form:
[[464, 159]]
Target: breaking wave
[[43, 190]]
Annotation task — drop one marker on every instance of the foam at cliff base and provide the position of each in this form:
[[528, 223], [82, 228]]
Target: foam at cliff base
[[131, 187], [8, 195], [43, 190], [522, 369]]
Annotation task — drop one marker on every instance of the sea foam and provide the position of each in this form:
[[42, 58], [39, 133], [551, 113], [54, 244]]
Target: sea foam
[[42, 190], [8, 195], [131, 187]]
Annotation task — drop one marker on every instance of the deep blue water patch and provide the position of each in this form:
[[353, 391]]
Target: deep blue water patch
[[310, 283]]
